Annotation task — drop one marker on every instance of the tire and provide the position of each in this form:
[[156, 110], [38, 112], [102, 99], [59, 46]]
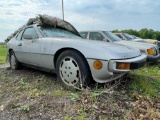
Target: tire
[[14, 64], [72, 70]]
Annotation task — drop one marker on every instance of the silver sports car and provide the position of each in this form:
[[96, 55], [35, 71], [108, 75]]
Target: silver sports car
[[75, 60]]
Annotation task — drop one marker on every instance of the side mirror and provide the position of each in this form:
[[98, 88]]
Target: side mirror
[[27, 36]]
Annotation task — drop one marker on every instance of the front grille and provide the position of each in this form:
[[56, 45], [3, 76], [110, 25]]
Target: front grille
[[137, 65], [157, 49], [158, 44]]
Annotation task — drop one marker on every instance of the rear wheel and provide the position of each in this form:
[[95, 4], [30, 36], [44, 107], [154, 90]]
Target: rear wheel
[[72, 70], [14, 64]]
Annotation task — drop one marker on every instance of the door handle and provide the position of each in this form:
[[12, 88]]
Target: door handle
[[20, 44]]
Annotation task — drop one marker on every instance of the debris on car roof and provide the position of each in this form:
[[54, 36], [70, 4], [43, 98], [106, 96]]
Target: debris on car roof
[[46, 20]]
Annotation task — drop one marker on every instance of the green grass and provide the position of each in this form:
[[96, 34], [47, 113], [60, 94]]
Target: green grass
[[3, 54], [146, 81], [145, 89]]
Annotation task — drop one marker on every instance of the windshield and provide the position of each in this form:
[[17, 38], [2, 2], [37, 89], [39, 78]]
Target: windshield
[[128, 37], [111, 36], [50, 31]]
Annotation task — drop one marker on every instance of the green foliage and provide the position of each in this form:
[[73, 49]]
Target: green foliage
[[81, 118], [94, 95], [60, 93], [74, 96], [67, 118], [23, 81], [143, 33], [25, 108]]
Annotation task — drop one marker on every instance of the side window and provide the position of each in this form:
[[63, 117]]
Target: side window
[[84, 35], [96, 36], [31, 31], [119, 36], [19, 36]]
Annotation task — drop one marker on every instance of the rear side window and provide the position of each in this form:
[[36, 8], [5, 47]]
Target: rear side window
[[32, 32], [96, 36], [84, 35], [19, 36]]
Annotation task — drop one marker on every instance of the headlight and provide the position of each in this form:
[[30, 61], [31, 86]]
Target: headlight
[[150, 51], [123, 66]]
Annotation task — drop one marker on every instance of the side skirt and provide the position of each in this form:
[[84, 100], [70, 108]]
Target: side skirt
[[39, 68]]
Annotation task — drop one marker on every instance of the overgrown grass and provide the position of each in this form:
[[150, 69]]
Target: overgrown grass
[[145, 89], [29, 91], [3, 54], [146, 81]]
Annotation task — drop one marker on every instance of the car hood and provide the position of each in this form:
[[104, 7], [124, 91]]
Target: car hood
[[124, 51], [138, 45]]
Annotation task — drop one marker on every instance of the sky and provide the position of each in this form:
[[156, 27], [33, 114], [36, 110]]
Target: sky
[[82, 14]]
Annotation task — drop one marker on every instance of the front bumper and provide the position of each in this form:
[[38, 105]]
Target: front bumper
[[109, 71], [135, 63]]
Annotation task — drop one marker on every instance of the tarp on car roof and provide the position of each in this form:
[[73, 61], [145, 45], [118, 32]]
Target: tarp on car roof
[[46, 20]]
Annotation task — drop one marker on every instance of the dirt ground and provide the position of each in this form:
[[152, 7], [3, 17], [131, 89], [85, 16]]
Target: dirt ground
[[30, 94]]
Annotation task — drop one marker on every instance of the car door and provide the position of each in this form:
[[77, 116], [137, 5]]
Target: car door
[[31, 52], [17, 46]]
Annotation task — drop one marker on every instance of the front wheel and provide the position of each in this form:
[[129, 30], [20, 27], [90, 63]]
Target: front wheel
[[72, 70]]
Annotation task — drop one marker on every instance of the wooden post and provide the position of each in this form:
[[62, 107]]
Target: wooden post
[[62, 10]]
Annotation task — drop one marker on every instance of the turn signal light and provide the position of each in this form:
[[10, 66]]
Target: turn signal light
[[150, 51], [97, 65], [123, 66]]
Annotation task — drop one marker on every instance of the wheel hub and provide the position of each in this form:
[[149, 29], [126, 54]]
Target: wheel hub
[[69, 71]]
